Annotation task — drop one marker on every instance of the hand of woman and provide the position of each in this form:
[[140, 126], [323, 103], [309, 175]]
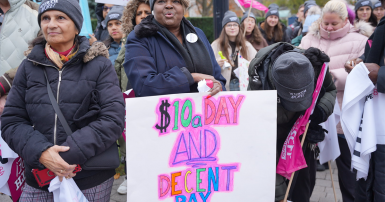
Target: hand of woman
[[349, 65], [221, 62], [92, 38], [217, 87], [373, 69], [51, 159]]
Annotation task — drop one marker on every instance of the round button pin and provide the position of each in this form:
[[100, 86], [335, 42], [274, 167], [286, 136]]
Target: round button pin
[[192, 38]]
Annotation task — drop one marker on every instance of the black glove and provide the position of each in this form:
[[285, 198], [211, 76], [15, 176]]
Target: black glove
[[315, 134], [3, 160], [318, 116]]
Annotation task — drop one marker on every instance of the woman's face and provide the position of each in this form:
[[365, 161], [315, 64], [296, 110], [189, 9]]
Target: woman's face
[[142, 12], [168, 13], [58, 28], [272, 20], [364, 13], [332, 22], [249, 25], [379, 13], [114, 28], [232, 29]]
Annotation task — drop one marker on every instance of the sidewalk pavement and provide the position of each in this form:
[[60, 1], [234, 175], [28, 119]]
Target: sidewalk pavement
[[323, 190]]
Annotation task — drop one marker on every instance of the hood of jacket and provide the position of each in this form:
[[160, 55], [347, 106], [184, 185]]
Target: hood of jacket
[[15, 4], [360, 27], [128, 19], [99, 12], [85, 52]]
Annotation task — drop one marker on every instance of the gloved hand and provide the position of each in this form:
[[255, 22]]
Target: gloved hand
[[318, 116], [315, 134]]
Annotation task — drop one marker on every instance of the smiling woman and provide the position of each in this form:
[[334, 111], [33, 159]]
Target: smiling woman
[[85, 87], [167, 55]]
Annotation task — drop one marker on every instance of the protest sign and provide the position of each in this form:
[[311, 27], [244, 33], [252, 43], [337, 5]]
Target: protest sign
[[187, 148], [115, 2]]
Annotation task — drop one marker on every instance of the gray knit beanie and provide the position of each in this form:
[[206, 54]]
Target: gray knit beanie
[[245, 14], [308, 5], [362, 3], [115, 13], [293, 76], [230, 16], [272, 11], [69, 7], [377, 4]]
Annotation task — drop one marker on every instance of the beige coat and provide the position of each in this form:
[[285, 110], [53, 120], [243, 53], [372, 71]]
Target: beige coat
[[251, 52]]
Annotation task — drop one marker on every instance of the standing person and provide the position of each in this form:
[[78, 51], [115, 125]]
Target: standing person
[[364, 12], [114, 27], [253, 35], [294, 29], [231, 42], [134, 12], [167, 55], [378, 11], [101, 32], [313, 14], [334, 35], [272, 29], [85, 85]]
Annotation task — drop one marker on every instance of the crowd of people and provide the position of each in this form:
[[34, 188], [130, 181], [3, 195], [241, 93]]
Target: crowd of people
[[61, 93]]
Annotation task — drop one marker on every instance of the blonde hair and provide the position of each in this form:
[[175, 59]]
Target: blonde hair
[[337, 7]]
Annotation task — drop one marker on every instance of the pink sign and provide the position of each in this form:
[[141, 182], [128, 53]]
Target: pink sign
[[17, 179]]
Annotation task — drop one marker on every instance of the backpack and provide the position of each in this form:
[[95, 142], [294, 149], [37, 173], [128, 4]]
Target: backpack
[[260, 66]]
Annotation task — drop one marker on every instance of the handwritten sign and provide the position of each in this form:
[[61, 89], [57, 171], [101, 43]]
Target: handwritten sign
[[115, 2], [186, 148]]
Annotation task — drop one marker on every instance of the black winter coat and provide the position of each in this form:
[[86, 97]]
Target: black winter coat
[[29, 123], [101, 32]]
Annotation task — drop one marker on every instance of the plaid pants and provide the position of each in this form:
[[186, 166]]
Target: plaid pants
[[100, 193]]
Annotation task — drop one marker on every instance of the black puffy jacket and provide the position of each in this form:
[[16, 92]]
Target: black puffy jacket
[[29, 124]]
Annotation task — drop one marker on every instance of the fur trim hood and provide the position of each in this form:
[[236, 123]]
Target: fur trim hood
[[129, 13], [360, 27], [314, 10]]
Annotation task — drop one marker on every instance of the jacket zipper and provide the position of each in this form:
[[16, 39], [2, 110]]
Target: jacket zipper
[[57, 96]]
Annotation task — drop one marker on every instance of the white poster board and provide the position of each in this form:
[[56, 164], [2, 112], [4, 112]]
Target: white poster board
[[115, 2], [187, 148]]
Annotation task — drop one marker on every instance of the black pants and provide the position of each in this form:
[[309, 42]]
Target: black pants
[[373, 189], [346, 177], [305, 182]]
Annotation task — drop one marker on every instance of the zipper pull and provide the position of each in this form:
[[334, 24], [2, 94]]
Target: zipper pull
[[328, 35], [60, 75]]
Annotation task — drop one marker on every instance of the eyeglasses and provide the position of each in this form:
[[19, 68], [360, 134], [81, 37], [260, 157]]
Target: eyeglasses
[[232, 25], [106, 8]]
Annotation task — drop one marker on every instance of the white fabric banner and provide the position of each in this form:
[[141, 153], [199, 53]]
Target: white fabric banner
[[186, 147]]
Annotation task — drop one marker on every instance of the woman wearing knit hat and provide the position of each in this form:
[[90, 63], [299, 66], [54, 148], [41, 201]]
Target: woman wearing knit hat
[[65, 108], [364, 12], [378, 11], [167, 55], [253, 35], [232, 44], [114, 27], [272, 29]]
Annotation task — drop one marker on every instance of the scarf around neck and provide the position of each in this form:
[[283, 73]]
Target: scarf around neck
[[59, 58], [195, 55]]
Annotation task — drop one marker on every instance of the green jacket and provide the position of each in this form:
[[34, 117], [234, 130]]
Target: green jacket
[[123, 80], [297, 40]]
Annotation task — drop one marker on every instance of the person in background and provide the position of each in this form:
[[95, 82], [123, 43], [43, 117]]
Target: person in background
[[253, 35], [114, 27], [168, 55], [134, 12], [86, 87], [364, 12], [334, 35], [294, 29], [378, 11], [272, 29], [231, 42], [101, 32], [312, 15]]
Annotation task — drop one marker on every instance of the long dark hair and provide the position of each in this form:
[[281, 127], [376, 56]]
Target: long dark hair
[[256, 35], [240, 41], [276, 31], [372, 20]]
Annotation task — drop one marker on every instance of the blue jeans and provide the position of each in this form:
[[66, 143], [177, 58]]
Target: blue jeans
[[373, 189], [234, 85]]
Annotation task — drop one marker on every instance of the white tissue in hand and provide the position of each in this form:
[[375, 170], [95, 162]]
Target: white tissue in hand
[[226, 65], [203, 87]]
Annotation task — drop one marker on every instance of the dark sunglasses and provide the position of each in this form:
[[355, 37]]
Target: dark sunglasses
[[106, 8]]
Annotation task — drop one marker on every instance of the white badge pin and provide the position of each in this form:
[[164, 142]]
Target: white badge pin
[[192, 38]]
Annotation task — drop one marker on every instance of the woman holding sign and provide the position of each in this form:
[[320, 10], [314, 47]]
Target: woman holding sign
[[65, 108], [229, 47], [167, 55]]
